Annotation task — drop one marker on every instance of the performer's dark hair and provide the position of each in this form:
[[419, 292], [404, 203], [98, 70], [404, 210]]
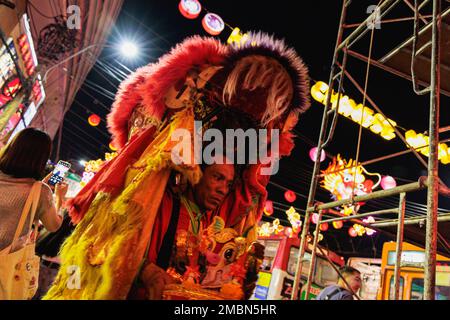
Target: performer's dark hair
[[228, 118]]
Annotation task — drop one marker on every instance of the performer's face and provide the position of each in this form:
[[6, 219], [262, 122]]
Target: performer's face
[[214, 185]]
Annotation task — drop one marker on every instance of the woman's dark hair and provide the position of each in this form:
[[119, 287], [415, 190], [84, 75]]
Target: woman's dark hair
[[26, 155]]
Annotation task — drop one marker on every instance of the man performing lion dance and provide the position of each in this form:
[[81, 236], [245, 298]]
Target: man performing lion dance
[[149, 227]]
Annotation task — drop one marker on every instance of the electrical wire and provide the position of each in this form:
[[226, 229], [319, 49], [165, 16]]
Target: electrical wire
[[38, 11]]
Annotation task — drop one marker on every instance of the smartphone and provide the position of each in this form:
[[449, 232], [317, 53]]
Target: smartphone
[[59, 172]]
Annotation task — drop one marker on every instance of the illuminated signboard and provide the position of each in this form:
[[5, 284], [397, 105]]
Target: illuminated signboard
[[18, 115], [408, 258], [7, 68], [25, 41], [14, 121]]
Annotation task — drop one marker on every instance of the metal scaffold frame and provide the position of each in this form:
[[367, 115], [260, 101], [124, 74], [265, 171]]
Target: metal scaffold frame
[[431, 182]]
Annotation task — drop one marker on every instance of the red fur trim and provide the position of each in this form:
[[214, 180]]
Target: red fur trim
[[149, 84]]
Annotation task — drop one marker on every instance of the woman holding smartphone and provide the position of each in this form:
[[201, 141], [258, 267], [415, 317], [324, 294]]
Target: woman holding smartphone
[[22, 164]]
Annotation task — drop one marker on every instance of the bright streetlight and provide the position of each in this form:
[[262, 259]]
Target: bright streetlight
[[127, 49]]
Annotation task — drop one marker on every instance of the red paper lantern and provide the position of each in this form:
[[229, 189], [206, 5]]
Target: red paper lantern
[[213, 24], [352, 232], [190, 8], [268, 208], [337, 224], [94, 120], [290, 196], [112, 146], [324, 226]]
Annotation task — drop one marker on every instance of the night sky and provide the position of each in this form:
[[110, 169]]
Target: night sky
[[157, 25]]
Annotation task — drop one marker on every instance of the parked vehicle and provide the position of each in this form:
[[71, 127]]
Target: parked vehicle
[[411, 273], [276, 278]]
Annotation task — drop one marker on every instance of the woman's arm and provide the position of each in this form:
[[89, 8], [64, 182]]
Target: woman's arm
[[51, 219]]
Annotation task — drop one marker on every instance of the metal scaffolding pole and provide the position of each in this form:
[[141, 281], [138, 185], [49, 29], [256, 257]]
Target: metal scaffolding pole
[[315, 178], [399, 244], [357, 216], [433, 165], [416, 220], [415, 186], [359, 32], [312, 263]]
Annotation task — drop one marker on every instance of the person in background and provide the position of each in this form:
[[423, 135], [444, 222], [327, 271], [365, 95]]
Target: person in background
[[22, 163], [341, 291]]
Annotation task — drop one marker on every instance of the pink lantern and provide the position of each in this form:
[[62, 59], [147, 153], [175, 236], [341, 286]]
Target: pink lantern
[[315, 218], [337, 224], [387, 182], [290, 196], [268, 208], [313, 154], [213, 24], [324, 226], [352, 232], [190, 8]]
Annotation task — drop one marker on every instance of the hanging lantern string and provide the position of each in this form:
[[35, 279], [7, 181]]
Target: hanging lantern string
[[286, 189], [287, 206]]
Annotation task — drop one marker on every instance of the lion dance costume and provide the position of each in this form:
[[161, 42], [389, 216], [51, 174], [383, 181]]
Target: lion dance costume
[[121, 210]]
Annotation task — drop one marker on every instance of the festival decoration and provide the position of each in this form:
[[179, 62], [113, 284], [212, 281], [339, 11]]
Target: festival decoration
[[112, 146], [190, 8], [376, 122], [289, 232], [267, 229], [344, 178], [315, 218], [236, 37], [294, 219], [359, 229], [369, 220], [338, 224], [313, 154], [110, 156], [268, 208], [352, 232], [421, 143], [387, 182], [94, 166], [324, 226], [94, 120], [213, 24], [320, 236], [290, 196]]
